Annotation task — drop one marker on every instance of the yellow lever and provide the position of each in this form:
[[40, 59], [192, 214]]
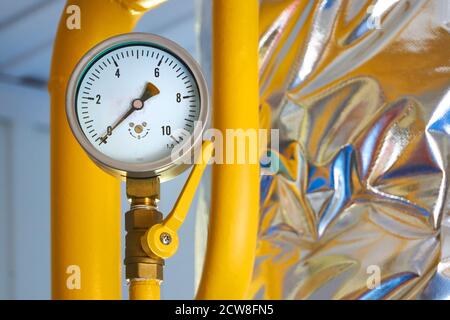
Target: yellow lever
[[162, 238]]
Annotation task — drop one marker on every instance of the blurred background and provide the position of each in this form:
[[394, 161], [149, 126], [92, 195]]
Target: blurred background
[[27, 30]]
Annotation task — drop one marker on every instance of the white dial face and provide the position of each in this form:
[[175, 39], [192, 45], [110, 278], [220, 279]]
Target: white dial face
[[135, 102]]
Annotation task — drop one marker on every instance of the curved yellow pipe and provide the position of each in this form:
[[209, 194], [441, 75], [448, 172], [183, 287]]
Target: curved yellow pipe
[[234, 214], [85, 201]]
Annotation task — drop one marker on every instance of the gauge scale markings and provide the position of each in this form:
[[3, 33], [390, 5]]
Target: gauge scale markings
[[189, 93]]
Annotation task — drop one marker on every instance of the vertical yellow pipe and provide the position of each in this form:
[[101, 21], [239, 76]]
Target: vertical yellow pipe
[[145, 290], [232, 231], [85, 202]]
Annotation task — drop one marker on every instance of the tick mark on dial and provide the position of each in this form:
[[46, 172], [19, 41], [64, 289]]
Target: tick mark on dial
[[173, 138], [160, 61]]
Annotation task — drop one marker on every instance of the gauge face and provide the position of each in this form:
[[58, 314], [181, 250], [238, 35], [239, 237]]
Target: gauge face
[[135, 102], [136, 97]]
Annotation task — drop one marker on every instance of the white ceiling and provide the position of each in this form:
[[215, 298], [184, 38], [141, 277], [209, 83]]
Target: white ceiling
[[28, 27]]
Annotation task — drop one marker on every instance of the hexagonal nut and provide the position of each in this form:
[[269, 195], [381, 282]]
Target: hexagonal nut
[[144, 271], [143, 188], [141, 218]]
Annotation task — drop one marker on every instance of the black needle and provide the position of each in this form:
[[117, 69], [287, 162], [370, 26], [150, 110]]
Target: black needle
[[137, 104]]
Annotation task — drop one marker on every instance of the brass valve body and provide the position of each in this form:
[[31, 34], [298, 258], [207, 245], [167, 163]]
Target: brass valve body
[[143, 194]]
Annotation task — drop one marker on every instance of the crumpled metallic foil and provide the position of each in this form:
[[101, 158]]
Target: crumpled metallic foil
[[359, 206]]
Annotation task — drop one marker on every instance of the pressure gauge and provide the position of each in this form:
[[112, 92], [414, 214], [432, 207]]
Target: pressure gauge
[[132, 99]]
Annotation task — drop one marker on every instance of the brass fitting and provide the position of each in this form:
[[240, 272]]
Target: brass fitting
[[143, 214], [143, 191]]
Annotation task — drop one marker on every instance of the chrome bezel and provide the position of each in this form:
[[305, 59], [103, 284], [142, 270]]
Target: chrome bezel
[[166, 167]]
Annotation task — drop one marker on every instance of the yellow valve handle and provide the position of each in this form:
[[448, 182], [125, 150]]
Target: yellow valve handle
[[162, 239]]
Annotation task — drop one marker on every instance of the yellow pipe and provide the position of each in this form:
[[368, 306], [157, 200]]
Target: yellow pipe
[[145, 290], [86, 231], [233, 224]]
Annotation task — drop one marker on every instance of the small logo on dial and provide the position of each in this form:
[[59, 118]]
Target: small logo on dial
[[138, 130]]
